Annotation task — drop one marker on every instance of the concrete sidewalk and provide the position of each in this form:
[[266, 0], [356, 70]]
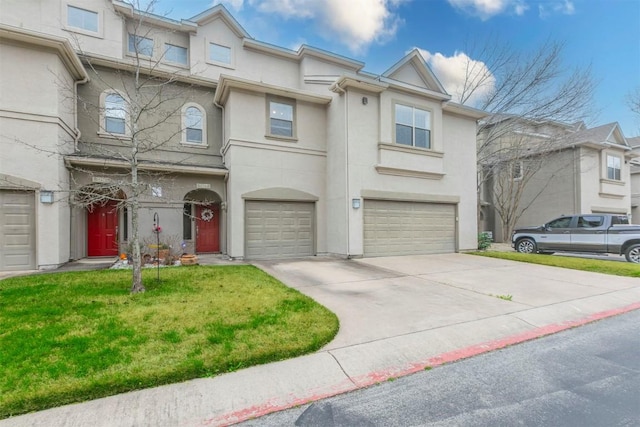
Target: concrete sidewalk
[[398, 315]]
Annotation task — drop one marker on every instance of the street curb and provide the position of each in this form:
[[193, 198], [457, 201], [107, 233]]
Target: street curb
[[377, 377]]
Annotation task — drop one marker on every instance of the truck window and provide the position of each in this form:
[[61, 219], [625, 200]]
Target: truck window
[[619, 219], [590, 221], [560, 223]]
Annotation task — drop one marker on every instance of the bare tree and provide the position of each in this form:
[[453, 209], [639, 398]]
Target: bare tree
[[521, 91], [633, 101], [145, 98]]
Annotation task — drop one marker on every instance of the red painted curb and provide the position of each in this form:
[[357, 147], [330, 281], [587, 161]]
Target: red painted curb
[[273, 405]]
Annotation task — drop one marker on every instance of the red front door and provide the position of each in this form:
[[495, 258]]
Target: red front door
[[207, 228], [103, 230]]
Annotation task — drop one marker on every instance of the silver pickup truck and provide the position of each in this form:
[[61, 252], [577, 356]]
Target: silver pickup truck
[[593, 233]]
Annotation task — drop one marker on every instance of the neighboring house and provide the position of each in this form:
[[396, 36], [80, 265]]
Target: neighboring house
[[269, 153], [571, 170], [635, 179]]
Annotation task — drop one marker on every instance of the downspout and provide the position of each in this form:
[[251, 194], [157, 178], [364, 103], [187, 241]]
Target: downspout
[[346, 157], [576, 180], [76, 139], [225, 203]]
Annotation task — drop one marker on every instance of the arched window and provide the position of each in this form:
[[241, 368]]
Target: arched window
[[115, 113], [193, 124]]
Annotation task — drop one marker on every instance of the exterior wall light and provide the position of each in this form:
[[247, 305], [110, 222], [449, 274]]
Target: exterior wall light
[[365, 100], [355, 203], [46, 196]]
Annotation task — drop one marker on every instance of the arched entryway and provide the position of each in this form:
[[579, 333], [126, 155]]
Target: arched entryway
[[104, 206], [201, 222]]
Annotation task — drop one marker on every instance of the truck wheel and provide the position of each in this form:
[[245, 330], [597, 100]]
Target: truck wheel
[[526, 246], [633, 253]]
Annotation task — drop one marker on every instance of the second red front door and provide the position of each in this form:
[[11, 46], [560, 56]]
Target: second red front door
[[207, 228]]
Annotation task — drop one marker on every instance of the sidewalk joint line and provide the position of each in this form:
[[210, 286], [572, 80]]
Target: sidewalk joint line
[[342, 369]]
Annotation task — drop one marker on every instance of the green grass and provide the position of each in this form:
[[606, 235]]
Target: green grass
[[615, 268], [68, 337]]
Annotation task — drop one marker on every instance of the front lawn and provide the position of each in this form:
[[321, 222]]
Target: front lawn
[[68, 337], [615, 268]]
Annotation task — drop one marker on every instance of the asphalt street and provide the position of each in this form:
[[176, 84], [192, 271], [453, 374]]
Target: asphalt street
[[587, 376]]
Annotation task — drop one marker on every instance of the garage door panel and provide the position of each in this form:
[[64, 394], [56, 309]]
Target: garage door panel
[[404, 228], [17, 230], [279, 229]]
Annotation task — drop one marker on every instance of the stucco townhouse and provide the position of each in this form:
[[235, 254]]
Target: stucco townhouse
[[575, 169], [265, 152]]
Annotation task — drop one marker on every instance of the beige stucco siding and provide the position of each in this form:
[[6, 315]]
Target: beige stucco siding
[[37, 122], [452, 173], [163, 140], [553, 191], [599, 194], [254, 169], [635, 197], [50, 17]]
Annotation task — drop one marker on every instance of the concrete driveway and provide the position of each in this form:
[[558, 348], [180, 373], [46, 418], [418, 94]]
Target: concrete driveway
[[380, 298]]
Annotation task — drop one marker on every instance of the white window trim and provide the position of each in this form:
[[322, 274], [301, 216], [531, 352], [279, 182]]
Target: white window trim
[[606, 167], [174, 63], [70, 28], [183, 125], [294, 124], [140, 54], [127, 120], [208, 60], [419, 107]]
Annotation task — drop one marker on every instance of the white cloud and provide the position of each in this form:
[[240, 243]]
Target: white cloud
[[486, 9], [233, 4], [564, 7], [356, 23], [454, 71]]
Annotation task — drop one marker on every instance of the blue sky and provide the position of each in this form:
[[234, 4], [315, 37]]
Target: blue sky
[[603, 34]]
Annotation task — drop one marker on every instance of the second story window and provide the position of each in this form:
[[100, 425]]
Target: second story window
[[193, 124], [413, 126], [613, 168], [140, 45], [281, 119], [82, 19], [177, 54], [115, 114], [219, 53]]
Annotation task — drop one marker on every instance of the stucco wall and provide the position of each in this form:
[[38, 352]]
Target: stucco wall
[[597, 193], [550, 193], [164, 124], [256, 162], [50, 17], [635, 197], [453, 164], [35, 135]]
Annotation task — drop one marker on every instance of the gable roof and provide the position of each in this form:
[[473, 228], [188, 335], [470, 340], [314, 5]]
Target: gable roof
[[601, 135], [415, 60], [221, 12]]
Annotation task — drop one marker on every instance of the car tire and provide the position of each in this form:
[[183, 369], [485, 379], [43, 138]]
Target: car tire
[[526, 246], [632, 254]]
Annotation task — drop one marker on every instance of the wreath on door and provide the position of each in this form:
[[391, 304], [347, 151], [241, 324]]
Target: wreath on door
[[206, 215]]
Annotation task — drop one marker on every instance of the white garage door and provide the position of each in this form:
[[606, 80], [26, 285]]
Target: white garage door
[[17, 230], [279, 229], [408, 228]]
